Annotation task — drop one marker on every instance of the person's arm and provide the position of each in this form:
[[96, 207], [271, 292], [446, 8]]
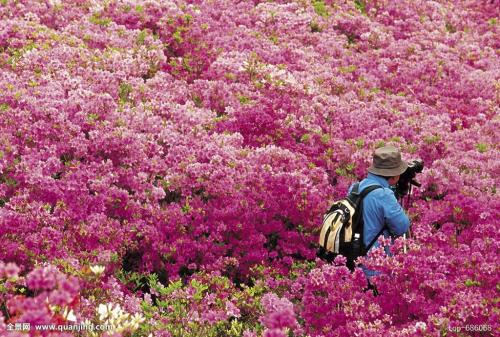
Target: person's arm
[[395, 218]]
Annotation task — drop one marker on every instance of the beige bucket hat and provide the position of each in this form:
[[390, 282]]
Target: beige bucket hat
[[387, 162]]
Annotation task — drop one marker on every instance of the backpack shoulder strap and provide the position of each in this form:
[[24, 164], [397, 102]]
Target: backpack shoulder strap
[[358, 216], [355, 189], [368, 190], [355, 196], [364, 194]]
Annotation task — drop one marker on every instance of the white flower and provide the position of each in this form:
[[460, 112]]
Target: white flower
[[420, 326], [104, 311], [55, 3], [98, 270], [69, 315], [138, 319], [121, 320]]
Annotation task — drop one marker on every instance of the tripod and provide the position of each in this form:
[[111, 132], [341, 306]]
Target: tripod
[[401, 201]]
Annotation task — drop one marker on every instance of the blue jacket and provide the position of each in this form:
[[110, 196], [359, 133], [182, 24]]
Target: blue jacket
[[381, 207]]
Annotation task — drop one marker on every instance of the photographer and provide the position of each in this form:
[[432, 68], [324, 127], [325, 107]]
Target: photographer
[[382, 214]]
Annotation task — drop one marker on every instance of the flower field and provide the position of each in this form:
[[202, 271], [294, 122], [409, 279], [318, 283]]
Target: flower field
[[165, 165]]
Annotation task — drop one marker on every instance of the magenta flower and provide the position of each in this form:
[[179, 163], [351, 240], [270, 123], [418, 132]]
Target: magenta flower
[[204, 140]]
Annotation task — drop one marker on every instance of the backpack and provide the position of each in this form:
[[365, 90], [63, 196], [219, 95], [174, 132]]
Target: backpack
[[342, 228]]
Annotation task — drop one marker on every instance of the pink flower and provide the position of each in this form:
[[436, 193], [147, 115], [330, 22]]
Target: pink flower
[[274, 333], [10, 270], [232, 310], [44, 278], [248, 333], [279, 312]]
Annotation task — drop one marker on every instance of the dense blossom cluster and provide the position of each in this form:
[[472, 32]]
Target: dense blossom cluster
[[171, 161]]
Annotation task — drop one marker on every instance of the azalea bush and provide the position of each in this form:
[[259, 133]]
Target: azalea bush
[[165, 165]]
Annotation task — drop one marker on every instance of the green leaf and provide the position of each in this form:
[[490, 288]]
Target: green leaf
[[360, 6], [244, 99], [349, 69], [177, 36], [432, 139], [472, 283], [98, 20], [315, 28], [360, 143], [325, 138], [93, 117], [320, 8], [141, 37], [124, 92], [482, 147], [200, 289]]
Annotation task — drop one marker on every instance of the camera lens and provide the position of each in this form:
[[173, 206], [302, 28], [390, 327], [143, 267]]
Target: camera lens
[[416, 165]]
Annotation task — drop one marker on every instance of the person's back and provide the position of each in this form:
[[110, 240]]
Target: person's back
[[382, 213]]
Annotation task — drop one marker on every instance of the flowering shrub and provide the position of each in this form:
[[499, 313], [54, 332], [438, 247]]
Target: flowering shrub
[[164, 165]]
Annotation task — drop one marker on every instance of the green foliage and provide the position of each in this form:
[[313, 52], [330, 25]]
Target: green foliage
[[349, 69], [315, 28], [325, 138], [97, 19], [124, 92], [92, 117], [305, 138], [360, 143], [320, 8], [178, 36], [9, 181], [471, 283], [274, 38], [432, 139], [346, 170], [301, 268], [198, 102], [411, 148], [16, 54], [186, 208], [360, 6], [177, 302], [200, 289], [244, 99], [482, 147], [230, 76], [133, 280], [141, 37]]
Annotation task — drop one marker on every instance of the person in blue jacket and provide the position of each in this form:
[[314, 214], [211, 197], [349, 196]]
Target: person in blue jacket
[[381, 211]]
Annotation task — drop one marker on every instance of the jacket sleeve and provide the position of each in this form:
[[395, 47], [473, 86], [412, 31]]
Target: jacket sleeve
[[394, 215]]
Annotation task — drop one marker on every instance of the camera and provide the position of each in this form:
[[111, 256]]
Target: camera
[[408, 178]]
